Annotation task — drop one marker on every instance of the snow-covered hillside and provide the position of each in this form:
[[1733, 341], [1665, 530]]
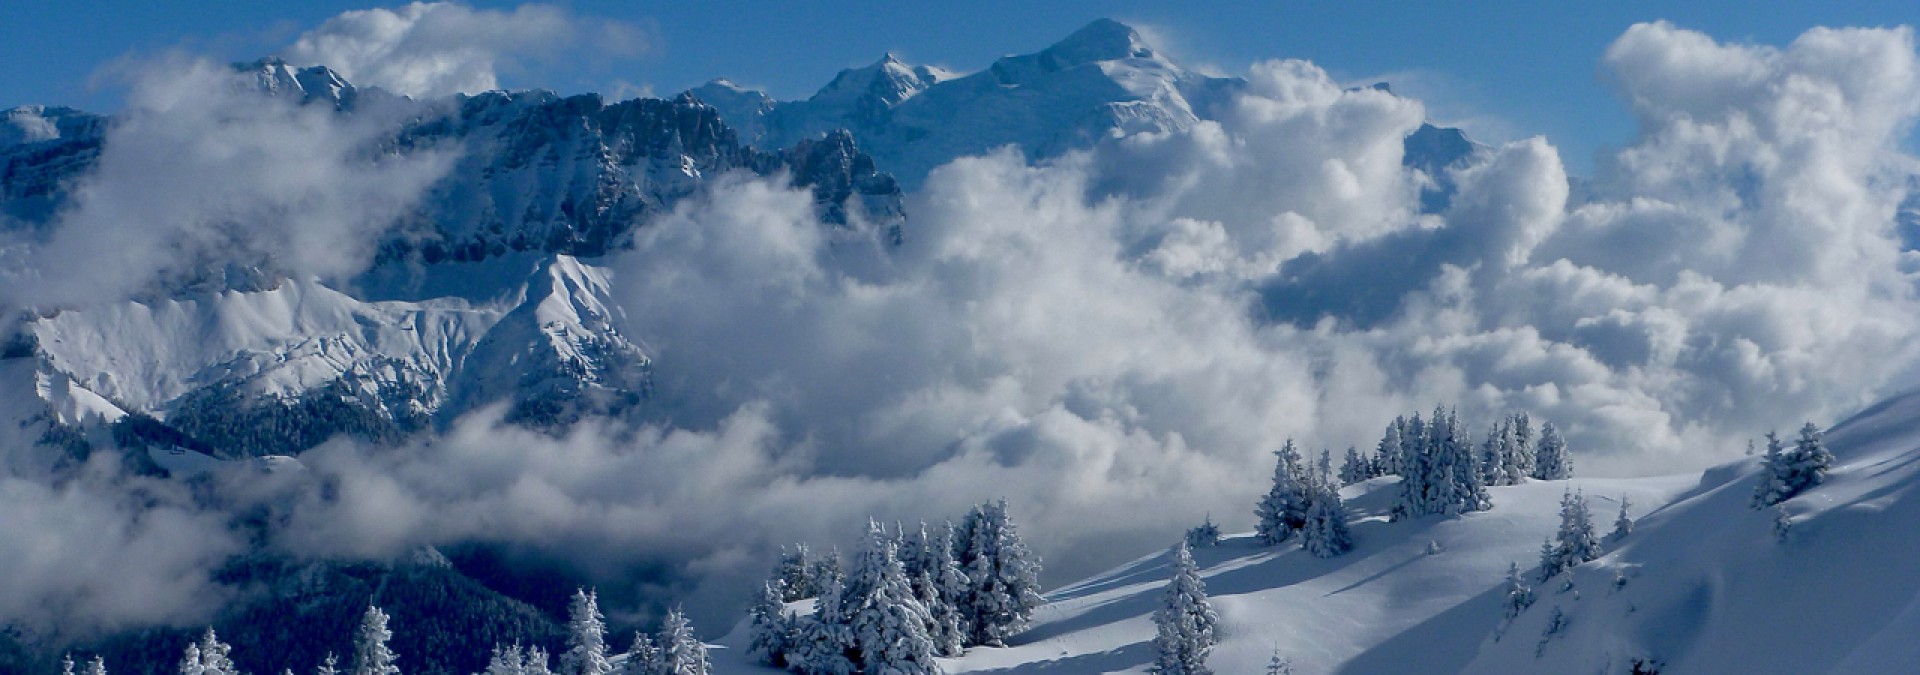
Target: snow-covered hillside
[[1702, 585]]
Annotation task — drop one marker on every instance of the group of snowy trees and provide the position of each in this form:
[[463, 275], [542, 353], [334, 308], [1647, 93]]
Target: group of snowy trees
[[1303, 501], [907, 600], [672, 651], [210, 656], [1785, 473], [1186, 627], [1442, 473]]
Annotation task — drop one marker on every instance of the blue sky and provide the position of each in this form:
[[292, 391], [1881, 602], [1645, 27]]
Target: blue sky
[[1502, 69]]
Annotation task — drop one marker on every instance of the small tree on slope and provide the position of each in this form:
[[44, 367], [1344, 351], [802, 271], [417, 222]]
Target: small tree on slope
[[1786, 473], [586, 637], [371, 656], [1283, 511], [1575, 543], [1185, 624], [209, 657], [1622, 524], [1517, 596], [889, 623]]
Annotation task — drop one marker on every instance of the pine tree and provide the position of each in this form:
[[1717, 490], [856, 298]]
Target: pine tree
[[209, 657], [643, 656], [889, 623], [948, 594], [1388, 454], [1204, 535], [586, 637], [1520, 452], [1003, 575], [1283, 511], [370, 653], [1415, 469], [680, 652], [795, 574], [329, 666], [1493, 455], [1551, 459], [1326, 534], [97, 666], [1279, 665], [507, 661], [1323, 468], [769, 632], [1622, 524], [66, 664], [824, 570], [1465, 484], [1575, 543], [825, 642], [1185, 624], [1355, 468], [1518, 596]]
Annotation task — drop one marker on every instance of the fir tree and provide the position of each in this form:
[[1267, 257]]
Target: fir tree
[[370, 653], [680, 652], [825, 642], [1493, 455], [1003, 575], [512, 661], [1520, 453], [795, 574], [1204, 535], [1551, 460], [1354, 468], [1622, 524], [889, 623], [586, 637], [948, 592], [1387, 455], [1518, 596], [329, 666], [1279, 665], [1185, 624], [66, 664], [1283, 511], [1575, 543], [97, 666], [1326, 534], [769, 632], [643, 656]]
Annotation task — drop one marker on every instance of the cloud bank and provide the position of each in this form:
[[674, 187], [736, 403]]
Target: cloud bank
[[1115, 339], [430, 49]]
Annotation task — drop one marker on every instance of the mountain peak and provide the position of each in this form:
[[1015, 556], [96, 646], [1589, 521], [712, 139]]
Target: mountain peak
[[1102, 40]]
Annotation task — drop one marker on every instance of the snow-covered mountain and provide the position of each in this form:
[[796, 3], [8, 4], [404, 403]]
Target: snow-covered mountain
[[1703, 584], [1102, 81]]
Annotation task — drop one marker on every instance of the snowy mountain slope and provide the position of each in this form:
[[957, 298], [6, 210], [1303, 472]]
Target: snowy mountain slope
[[1710, 589], [1701, 585], [276, 371]]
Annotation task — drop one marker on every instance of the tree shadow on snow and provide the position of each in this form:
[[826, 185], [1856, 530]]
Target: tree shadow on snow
[[1436, 643], [1123, 658]]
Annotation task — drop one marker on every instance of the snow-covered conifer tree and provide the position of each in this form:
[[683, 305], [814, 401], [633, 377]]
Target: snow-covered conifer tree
[[824, 568], [1493, 455], [643, 656], [329, 665], [66, 664], [586, 637], [889, 623], [1415, 469], [948, 591], [1326, 534], [1466, 484], [1520, 453], [795, 574], [1551, 459], [1003, 576], [1185, 625], [209, 657], [96, 666], [371, 656], [1355, 468], [1622, 524], [769, 632], [1517, 595], [507, 661], [1204, 535], [680, 652], [1575, 543], [1388, 454], [825, 644], [1283, 511]]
